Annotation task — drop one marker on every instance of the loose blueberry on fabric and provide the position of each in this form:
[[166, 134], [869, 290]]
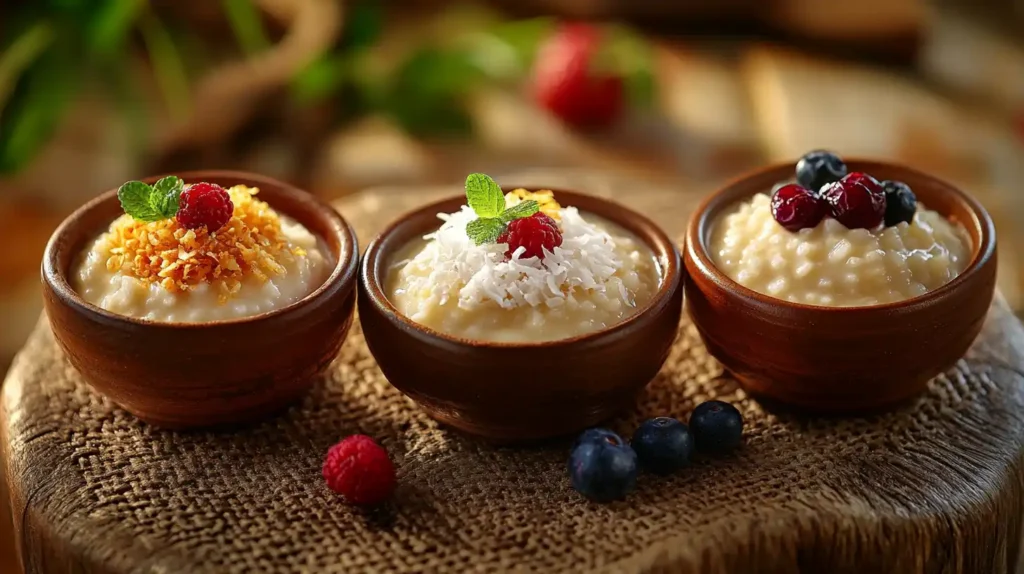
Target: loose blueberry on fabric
[[663, 445], [717, 427], [602, 467], [819, 168], [900, 203]]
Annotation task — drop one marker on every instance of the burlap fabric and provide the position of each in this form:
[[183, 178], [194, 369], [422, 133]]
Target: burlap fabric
[[933, 487]]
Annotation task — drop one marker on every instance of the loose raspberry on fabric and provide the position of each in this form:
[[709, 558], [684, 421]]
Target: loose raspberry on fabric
[[533, 233], [204, 205], [359, 469]]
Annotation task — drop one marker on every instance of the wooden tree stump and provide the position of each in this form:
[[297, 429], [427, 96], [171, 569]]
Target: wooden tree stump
[[933, 487]]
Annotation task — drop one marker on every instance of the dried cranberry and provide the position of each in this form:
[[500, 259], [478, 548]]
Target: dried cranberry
[[856, 201], [795, 207]]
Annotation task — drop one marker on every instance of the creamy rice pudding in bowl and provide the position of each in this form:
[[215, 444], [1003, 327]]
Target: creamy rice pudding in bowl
[[845, 290], [523, 313], [207, 299]]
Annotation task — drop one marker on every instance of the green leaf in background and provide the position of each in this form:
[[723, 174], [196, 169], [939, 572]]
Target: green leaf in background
[[167, 65], [364, 23], [20, 55], [321, 78], [36, 107], [507, 50], [633, 57], [111, 24], [426, 93], [247, 24]]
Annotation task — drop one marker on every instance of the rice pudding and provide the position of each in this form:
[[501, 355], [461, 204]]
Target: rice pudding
[[854, 242], [554, 274], [235, 258]]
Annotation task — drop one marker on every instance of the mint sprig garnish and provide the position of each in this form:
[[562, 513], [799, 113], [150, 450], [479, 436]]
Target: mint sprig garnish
[[484, 197], [146, 202]]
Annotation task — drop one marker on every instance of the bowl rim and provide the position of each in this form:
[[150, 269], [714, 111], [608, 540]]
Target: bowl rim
[[656, 240], [700, 225], [344, 269]]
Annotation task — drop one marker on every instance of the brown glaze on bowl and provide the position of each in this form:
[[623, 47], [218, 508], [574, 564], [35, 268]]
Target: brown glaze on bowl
[[520, 391], [839, 359], [181, 375]]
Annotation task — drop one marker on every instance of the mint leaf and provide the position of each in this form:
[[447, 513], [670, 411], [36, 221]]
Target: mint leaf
[[484, 230], [520, 210], [165, 195], [135, 200], [484, 196]]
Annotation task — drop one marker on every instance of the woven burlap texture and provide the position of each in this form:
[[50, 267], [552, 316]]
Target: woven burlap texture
[[933, 487], [253, 500]]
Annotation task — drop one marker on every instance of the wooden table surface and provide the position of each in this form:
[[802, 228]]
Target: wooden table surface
[[937, 486]]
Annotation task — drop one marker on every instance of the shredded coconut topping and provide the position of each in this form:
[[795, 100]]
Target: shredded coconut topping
[[250, 244], [477, 274]]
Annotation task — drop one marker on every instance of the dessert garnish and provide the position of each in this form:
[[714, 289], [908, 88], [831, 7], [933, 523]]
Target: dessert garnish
[[198, 205], [184, 236], [521, 225], [717, 427], [603, 468], [360, 470], [663, 445], [900, 203], [796, 207], [819, 168], [856, 200]]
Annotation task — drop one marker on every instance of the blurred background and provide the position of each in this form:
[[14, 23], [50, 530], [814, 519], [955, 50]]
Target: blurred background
[[336, 96]]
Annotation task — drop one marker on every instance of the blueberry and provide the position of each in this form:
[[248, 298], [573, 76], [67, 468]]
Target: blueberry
[[604, 469], [900, 203], [819, 168], [717, 427], [663, 445], [595, 434]]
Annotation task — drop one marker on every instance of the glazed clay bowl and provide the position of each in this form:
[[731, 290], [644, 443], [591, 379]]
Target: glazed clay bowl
[[839, 359], [520, 391], [182, 375]]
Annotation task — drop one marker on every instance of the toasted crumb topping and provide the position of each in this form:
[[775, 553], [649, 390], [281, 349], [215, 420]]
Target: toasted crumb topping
[[545, 198], [250, 244]]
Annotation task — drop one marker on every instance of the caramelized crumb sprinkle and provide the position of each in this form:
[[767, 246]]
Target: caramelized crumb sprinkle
[[250, 244], [545, 198]]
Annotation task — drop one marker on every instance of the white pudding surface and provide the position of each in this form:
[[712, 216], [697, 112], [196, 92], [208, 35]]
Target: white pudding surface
[[598, 277], [831, 265], [125, 294]]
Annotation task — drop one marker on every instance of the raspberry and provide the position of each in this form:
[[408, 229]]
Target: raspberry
[[204, 204], [532, 233], [359, 469], [565, 83]]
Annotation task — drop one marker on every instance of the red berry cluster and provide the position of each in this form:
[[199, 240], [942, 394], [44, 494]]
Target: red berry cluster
[[534, 234], [856, 200]]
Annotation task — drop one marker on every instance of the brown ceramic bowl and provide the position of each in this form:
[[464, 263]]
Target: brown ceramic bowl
[[520, 391], [839, 359], [181, 375]]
